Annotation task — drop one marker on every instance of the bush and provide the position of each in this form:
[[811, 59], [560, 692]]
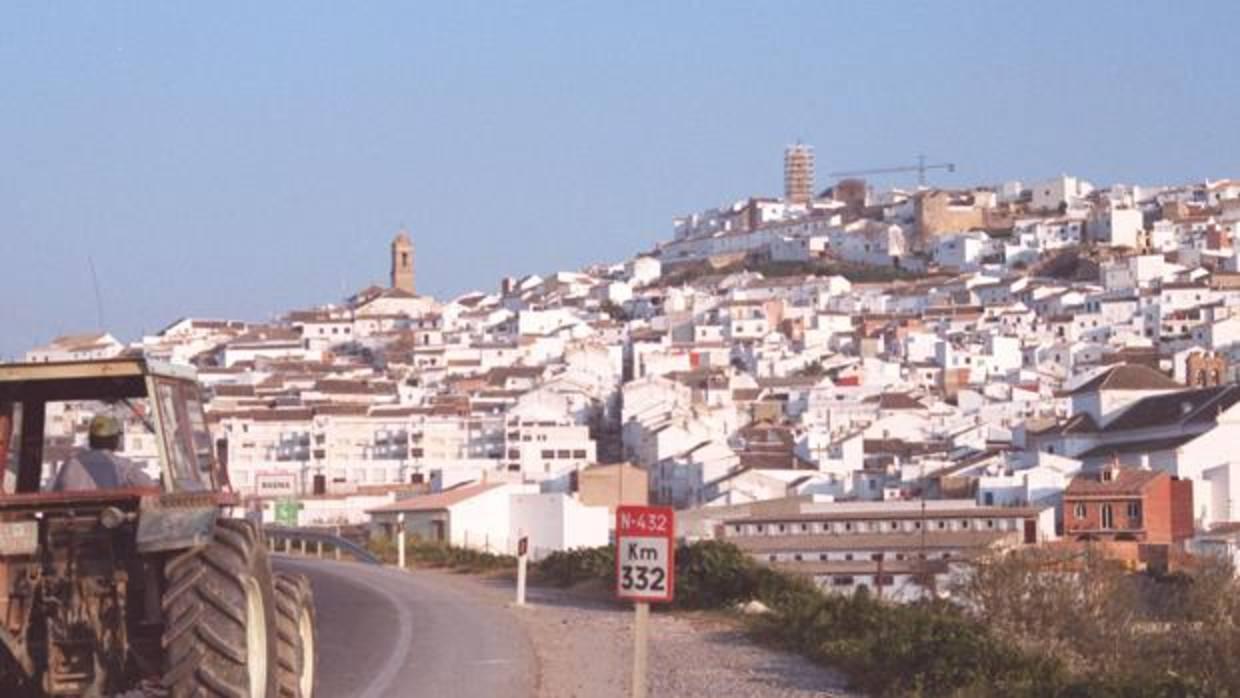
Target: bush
[[419, 553], [1008, 639], [564, 568], [713, 574]]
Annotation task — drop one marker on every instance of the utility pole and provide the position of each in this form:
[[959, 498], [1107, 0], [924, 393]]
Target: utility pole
[[926, 576]]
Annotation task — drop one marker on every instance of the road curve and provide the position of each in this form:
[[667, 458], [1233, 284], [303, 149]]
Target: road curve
[[383, 632]]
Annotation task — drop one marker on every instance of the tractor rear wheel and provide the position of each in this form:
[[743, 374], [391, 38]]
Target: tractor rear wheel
[[219, 618], [297, 643]]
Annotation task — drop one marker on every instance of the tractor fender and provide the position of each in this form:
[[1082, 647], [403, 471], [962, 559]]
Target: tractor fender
[[174, 525]]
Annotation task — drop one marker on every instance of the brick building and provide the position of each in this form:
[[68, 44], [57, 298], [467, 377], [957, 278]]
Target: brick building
[[1206, 369], [1128, 504]]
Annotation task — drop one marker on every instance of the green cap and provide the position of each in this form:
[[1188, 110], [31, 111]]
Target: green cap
[[104, 425]]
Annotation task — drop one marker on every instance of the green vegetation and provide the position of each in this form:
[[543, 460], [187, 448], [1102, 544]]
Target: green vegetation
[[570, 567], [1028, 624], [420, 553]]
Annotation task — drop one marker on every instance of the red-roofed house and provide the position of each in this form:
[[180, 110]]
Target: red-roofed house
[[474, 515], [493, 516], [1118, 504]]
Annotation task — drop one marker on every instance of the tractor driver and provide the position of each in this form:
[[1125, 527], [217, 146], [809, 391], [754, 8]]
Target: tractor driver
[[98, 467]]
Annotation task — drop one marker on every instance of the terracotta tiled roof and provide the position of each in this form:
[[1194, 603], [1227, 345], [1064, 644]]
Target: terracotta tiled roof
[[1146, 446], [1181, 406], [437, 501], [1125, 481], [1127, 377], [896, 401]]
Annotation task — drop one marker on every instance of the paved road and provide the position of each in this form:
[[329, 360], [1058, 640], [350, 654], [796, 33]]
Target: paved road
[[383, 632]]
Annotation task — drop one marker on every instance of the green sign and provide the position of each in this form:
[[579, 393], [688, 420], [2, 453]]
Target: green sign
[[286, 512]]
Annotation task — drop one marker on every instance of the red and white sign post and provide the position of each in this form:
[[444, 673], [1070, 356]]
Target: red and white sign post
[[645, 572]]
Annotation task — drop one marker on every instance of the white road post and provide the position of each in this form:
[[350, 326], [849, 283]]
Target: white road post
[[641, 622], [522, 558], [400, 540]]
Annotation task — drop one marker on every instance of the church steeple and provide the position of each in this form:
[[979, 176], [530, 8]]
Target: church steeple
[[402, 262]]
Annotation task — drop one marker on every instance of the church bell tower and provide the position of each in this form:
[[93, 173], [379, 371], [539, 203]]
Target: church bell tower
[[402, 262]]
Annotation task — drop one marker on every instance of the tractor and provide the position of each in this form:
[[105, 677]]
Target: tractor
[[136, 590]]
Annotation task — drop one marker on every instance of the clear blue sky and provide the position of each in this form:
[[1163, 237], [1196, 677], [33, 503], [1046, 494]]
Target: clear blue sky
[[240, 159]]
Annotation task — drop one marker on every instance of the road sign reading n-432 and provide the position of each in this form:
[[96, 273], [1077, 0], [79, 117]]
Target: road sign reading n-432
[[645, 553]]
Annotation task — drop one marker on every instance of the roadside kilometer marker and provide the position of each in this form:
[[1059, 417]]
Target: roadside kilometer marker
[[645, 573], [645, 551]]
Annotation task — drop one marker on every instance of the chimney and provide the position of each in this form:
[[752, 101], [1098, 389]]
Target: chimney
[[1110, 472]]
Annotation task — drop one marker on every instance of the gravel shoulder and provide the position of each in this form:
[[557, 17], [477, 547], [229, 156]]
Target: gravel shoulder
[[584, 648]]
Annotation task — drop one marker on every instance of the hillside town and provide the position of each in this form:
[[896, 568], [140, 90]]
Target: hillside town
[[866, 386]]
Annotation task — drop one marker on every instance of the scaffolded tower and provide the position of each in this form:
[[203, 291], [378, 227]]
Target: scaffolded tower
[[799, 173]]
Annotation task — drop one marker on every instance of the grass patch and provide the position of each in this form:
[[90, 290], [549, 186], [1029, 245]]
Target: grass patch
[[427, 554]]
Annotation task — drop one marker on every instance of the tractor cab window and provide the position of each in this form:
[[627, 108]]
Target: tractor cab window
[[103, 425], [10, 431], [187, 441], [58, 432]]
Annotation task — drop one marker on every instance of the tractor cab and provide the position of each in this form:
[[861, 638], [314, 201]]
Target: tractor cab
[[42, 405]]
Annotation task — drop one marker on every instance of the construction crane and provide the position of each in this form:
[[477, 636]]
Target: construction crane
[[920, 168]]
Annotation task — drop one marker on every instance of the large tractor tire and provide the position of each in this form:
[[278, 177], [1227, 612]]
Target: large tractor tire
[[297, 639], [219, 618]]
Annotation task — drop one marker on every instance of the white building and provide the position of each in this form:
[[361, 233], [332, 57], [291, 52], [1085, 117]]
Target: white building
[[77, 347]]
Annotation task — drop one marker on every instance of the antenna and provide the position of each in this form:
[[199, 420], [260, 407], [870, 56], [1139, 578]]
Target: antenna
[[94, 279]]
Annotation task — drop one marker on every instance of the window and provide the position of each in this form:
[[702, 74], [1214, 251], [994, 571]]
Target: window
[[1134, 511], [876, 556], [548, 453], [804, 527], [564, 454], [848, 556], [797, 557], [579, 453], [841, 581], [1108, 516], [883, 580], [822, 557], [1079, 510]]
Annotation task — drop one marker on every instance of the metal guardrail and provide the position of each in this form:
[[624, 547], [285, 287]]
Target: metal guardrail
[[283, 538]]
